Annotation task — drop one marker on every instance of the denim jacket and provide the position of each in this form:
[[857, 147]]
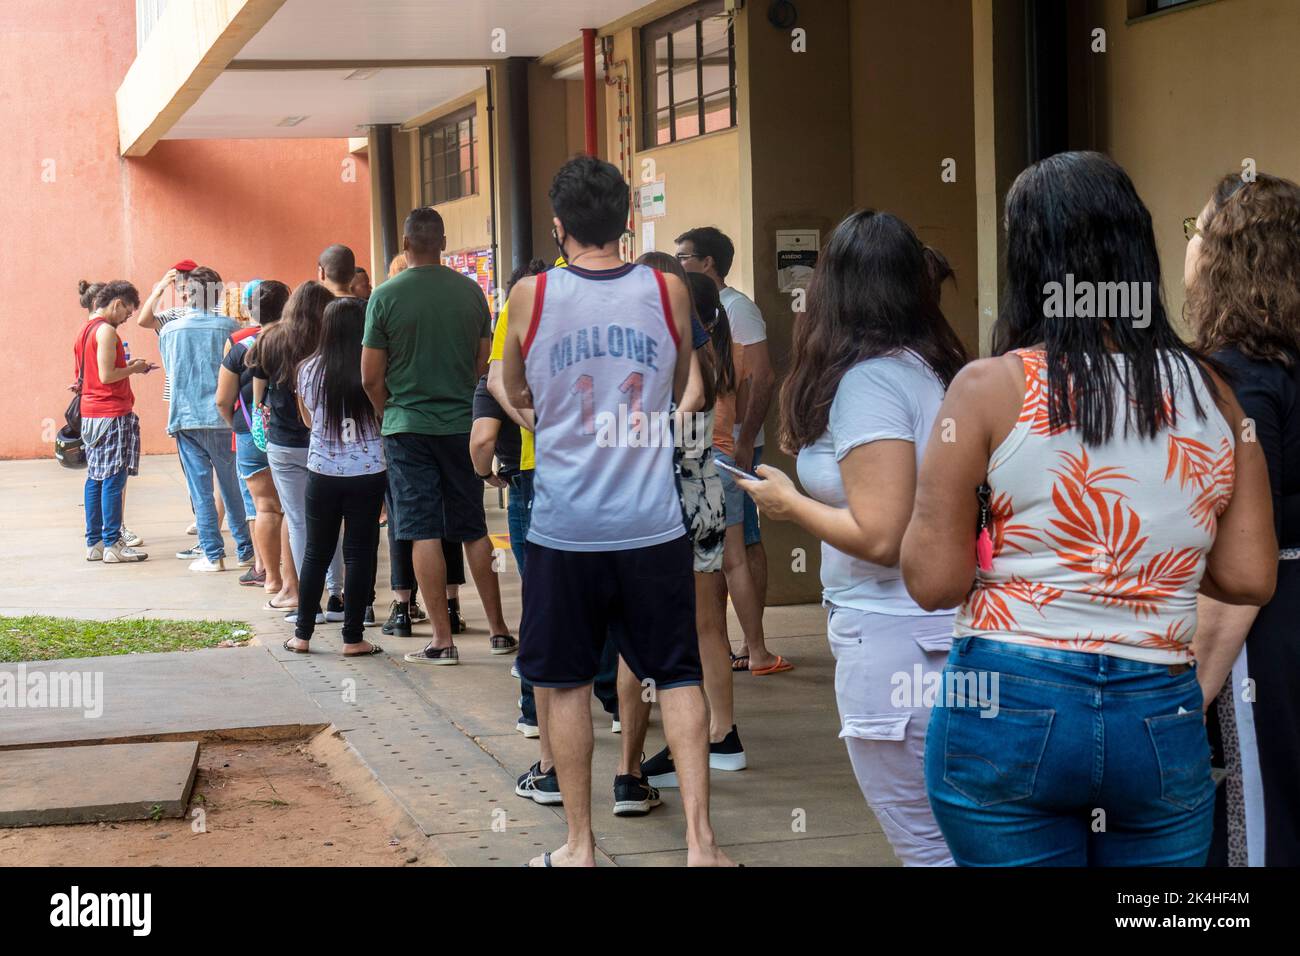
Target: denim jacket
[[192, 348]]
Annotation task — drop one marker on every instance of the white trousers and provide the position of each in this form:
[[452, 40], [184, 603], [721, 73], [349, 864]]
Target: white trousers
[[880, 663]]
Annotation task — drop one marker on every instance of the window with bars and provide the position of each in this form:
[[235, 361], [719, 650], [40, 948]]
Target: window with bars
[[688, 63], [448, 164]]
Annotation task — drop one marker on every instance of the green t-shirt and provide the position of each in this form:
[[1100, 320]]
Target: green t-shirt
[[431, 320]]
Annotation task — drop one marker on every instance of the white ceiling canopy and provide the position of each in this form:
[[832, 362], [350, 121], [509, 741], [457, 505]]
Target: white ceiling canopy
[[428, 29], [244, 104], [262, 95]]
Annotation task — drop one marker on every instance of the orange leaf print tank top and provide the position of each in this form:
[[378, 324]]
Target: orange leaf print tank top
[[1101, 549]]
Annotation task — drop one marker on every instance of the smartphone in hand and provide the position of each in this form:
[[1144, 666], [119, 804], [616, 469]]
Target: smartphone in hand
[[738, 472]]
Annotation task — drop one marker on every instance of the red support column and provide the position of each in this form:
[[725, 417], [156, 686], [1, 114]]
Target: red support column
[[589, 86]]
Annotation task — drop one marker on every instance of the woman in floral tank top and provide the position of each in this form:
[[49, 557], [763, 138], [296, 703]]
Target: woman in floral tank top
[[1117, 487]]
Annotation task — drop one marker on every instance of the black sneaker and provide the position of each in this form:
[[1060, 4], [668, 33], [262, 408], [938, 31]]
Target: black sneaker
[[334, 609], [417, 612], [369, 619], [659, 770], [543, 788], [457, 619], [728, 753], [399, 620], [633, 797]]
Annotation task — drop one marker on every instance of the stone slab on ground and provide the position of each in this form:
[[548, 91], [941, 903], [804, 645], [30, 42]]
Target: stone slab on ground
[[229, 691], [54, 785]]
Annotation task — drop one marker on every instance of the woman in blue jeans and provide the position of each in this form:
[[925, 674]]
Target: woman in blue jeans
[[1089, 481]]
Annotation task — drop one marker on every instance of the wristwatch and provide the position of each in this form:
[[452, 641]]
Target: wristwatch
[[488, 477]]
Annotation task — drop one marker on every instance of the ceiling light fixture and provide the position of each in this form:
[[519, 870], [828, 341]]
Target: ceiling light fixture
[[363, 74], [291, 121]]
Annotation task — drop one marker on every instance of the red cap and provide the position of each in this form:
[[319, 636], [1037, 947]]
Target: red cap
[[186, 265]]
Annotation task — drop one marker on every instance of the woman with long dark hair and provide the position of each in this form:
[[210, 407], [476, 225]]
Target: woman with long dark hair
[[1243, 303], [1082, 487], [275, 359], [346, 476], [872, 357]]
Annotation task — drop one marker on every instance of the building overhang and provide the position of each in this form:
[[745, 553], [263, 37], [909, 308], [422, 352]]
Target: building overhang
[[253, 69]]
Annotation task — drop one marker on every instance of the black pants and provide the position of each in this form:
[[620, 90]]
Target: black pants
[[354, 503]]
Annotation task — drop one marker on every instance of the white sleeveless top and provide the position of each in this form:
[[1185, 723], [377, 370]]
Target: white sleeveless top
[[1102, 549], [599, 358]]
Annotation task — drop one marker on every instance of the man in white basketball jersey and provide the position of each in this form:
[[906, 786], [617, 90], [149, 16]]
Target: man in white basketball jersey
[[600, 351]]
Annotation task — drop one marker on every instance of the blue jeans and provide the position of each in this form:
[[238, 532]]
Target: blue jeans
[[1046, 757], [104, 509], [203, 452], [519, 513]]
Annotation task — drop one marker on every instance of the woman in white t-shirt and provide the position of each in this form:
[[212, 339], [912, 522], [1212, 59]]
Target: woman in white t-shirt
[[872, 357], [346, 477]]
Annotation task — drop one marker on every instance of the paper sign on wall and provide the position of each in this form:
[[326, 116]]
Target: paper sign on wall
[[647, 236], [796, 257], [651, 200]]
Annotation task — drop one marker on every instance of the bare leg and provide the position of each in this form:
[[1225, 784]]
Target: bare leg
[[431, 576], [741, 586], [288, 594], [634, 714], [566, 720], [715, 656], [686, 726], [266, 529], [480, 558], [756, 555]]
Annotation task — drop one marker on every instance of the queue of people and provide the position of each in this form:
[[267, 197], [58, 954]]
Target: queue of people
[[1088, 537]]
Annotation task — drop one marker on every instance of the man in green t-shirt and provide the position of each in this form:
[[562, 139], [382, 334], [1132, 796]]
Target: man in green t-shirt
[[427, 340]]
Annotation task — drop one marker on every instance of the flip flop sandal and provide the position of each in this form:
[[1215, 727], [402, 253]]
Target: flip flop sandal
[[736, 664], [780, 667], [374, 649], [268, 606], [296, 650]]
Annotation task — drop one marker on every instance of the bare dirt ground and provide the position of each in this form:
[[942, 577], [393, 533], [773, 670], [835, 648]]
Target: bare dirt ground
[[268, 803]]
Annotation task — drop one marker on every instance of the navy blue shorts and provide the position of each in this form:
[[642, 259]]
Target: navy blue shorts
[[434, 490], [645, 597]]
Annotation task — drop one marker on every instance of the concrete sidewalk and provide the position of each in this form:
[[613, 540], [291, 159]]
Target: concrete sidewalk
[[441, 740]]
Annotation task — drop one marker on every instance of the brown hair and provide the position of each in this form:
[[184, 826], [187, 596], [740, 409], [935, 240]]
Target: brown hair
[[1246, 294], [874, 292], [282, 347], [397, 265]]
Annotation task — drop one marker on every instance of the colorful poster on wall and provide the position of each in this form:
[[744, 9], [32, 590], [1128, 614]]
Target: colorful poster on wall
[[478, 265]]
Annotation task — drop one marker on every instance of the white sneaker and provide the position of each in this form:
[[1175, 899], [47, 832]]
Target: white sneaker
[[132, 539], [193, 528], [616, 727], [292, 617], [121, 554], [531, 731], [203, 564], [96, 553]]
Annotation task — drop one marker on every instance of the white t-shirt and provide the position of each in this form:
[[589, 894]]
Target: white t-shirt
[[747, 328], [889, 397]]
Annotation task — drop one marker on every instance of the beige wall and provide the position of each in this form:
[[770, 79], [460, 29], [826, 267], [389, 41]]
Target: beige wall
[[1183, 98], [702, 182], [912, 108]]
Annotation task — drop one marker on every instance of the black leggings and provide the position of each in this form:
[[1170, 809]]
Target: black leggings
[[354, 503]]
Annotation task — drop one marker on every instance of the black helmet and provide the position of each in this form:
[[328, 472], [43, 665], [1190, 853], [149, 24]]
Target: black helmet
[[69, 450]]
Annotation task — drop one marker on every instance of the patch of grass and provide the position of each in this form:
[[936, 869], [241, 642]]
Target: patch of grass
[[40, 638]]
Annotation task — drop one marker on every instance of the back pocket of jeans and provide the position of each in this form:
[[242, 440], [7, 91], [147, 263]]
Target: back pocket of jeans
[[993, 760], [1183, 754]]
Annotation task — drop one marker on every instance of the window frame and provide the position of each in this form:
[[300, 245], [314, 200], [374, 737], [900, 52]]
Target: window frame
[[651, 33], [434, 189]]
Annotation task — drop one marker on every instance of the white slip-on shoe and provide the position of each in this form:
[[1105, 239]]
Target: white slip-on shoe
[[121, 554], [203, 564]]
